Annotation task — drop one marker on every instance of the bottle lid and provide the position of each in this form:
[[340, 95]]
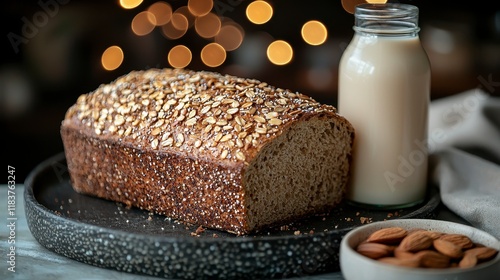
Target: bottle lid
[[388, 18]]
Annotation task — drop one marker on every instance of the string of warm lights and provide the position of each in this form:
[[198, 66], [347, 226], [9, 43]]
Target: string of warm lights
[[223, 34]]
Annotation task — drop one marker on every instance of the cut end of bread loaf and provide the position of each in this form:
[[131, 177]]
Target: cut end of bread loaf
[[303, 171]]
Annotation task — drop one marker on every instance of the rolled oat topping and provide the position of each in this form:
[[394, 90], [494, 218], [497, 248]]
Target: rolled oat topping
[[200, 112]]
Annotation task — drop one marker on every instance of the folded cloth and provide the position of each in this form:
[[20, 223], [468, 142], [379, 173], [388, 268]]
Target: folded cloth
[[464, 146]]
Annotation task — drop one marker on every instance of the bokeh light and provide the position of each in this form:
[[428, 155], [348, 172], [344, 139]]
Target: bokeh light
[[130, 4], [230, 36], [280, 52], [213, 55], [162, 12], [349, 5], [179, 56], [259, 12], [179, 21], [170, 31], [314, 32], [225, 34], [143, 23], [207, 26], [184, 10], [112, 58], [176, 27], [200, 7]]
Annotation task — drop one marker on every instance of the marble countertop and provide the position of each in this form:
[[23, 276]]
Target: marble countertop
[[33, 261]]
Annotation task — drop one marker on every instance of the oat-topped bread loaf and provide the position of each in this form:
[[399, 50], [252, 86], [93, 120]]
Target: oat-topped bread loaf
[[208, 149]]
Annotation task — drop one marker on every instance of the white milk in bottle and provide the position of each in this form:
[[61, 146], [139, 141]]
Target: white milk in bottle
[[384, 91]]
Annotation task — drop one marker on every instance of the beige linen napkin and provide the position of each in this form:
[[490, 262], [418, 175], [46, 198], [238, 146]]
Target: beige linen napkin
[[464, 145]]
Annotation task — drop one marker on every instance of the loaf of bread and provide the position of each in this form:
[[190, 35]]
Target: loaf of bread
[[208, 149]]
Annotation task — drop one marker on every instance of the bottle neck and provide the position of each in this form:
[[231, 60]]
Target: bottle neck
[[390, 19]]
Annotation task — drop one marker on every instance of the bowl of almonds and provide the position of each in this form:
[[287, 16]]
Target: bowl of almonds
[[419, 249]]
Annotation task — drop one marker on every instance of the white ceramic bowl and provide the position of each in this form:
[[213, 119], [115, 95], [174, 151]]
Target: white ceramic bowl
[[355, 266]]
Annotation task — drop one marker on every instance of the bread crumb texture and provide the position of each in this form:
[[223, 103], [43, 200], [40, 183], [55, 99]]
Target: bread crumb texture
[[216, 150]]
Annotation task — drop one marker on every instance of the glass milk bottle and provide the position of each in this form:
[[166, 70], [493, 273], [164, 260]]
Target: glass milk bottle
[[384, 91]]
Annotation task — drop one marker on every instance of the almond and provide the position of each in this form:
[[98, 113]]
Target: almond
[[374, 250], [401, 254], [448, 248], [390, 235], [459, 239], [410, 231], [435, 234], [469, 260], [415, 241], [482, 253], [433, 259], [414, 262]]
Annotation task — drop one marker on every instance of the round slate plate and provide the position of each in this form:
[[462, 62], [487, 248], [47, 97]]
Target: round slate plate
[[110, 235]]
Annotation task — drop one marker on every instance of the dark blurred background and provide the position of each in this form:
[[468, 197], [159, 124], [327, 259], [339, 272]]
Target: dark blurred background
[[52, 53]]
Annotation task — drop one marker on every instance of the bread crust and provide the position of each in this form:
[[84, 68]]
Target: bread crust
[[191, 190], [123, 143]]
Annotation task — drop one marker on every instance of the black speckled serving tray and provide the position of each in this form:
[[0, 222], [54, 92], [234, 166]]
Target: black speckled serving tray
[[110, 235]]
